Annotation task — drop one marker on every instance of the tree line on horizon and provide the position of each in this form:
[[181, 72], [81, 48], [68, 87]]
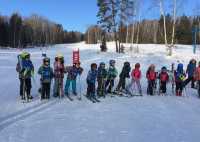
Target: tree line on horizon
[[124, 21], [150, 31], [19, 32]]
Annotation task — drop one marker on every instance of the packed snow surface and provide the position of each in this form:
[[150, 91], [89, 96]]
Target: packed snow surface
[[118, 119]]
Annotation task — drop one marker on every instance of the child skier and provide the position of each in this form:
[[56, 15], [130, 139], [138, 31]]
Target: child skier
[[72, 73], [58, 76], [179, 79], [91, 80], [197, 77], [46, 73], [25, 69], [101, 79], [123, 75], [136, 76], [190, 72], [151, 76], [163, 79], [112, 74]]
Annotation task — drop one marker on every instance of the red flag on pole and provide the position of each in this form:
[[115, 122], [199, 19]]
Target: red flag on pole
[[76, 56]]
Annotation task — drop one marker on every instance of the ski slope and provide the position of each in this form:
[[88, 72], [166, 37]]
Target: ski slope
[[138, 119]]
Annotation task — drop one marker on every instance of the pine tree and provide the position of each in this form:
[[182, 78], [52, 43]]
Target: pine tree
[[107, 15]]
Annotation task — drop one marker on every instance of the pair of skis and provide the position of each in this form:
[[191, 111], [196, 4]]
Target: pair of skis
[[72, 99], [93, 99]]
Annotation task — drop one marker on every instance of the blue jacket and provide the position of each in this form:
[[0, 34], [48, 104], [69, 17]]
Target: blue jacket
[[73, 72], [46, 73], [92, 76], [191, 69]]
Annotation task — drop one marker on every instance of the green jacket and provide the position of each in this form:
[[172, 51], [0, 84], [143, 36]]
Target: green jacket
[[112, 72]]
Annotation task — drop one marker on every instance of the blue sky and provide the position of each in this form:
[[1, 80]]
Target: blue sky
[[72, 14]]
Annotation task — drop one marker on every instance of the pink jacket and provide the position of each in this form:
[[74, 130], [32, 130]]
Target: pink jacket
[[136, 73], [59, 70]]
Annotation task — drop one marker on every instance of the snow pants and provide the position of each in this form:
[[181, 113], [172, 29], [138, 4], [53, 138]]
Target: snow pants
[[134, 84], [121, 84], [151, 87], [198, 88], [109, 84], [190, 79], [67, 85], [58, 87], [179, 88], [101, 89], [25, 87], [163, 87], [90, 89], [45, 92]]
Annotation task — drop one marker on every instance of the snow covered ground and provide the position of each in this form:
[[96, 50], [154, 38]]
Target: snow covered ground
[[139, 119]]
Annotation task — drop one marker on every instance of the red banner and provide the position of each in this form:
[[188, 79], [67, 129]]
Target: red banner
[[76, 56]]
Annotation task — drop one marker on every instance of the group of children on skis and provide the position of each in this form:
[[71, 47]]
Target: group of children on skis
[[104, 77]]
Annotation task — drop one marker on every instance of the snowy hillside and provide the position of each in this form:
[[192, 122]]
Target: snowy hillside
[[139, 119]]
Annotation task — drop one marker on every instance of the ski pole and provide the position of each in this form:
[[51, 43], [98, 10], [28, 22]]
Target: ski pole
[[80, 87]]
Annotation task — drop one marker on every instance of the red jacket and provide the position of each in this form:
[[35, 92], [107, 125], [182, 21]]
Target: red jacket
[[136, 73], [163, 76], [151, 75], [197, 74]]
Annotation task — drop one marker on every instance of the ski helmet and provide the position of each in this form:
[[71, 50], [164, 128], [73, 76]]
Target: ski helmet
[[137, 65], [59, 56], [102, 64], [164, 68], [27, 56], [112, 62], [93, 66], [46, 60], [24, 55], [126, 64]]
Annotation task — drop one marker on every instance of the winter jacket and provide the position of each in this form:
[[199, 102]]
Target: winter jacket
[[26, 69], [179, 73], [136, 73], [46, 73], [112, 72], [163, 76], [191, 69], [197, 74], [73, 72], [125, 71], [151, 75], [91, 77], [59, 70], [102, 73]]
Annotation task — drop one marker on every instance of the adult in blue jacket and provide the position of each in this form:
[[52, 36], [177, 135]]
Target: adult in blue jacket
[[190, 73]]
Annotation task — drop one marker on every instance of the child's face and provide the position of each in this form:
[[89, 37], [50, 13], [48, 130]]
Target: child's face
[[77, 65], [46, 63]]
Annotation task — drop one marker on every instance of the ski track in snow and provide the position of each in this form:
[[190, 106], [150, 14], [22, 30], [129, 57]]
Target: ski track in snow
[[139, 119]]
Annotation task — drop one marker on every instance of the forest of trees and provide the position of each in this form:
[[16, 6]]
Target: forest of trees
[[151, 31], [19, 32], [122, 21]]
